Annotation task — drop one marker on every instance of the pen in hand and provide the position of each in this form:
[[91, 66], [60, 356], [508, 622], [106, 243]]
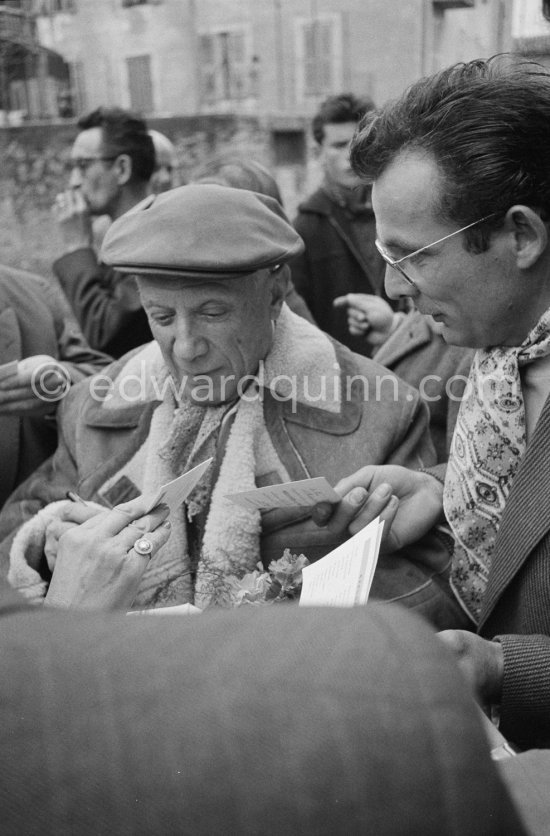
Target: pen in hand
[[74, 497], [140, 526]]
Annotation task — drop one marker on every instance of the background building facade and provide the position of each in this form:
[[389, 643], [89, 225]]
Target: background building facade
[[531, 31], [269, 57], [217, 75], [34, 80]]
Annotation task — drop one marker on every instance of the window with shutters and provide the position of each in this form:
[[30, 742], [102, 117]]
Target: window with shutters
[[226, 65], [51, 7], [319, 56], [140, 83], [78, 86]]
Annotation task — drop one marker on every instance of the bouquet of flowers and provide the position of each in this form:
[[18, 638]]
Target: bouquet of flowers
[[281, 582]]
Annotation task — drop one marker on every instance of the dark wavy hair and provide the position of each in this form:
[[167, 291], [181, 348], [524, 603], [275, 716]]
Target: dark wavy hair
[[338, 109], [487, 125], [124, 133]]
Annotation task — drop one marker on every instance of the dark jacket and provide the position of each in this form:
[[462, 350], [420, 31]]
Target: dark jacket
[[516, 604], [35, 319], [333, 264], [112, 321]]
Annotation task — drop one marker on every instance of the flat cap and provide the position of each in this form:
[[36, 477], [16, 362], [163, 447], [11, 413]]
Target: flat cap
[[204, 231]]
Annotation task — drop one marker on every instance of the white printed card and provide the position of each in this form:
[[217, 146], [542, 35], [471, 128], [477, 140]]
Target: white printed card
[[175, 492], [305, 492]]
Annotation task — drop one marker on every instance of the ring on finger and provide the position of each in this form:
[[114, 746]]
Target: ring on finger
[[143, 546]]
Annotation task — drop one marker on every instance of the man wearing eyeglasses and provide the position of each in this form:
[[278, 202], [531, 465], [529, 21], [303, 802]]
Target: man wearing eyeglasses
[[460, 167], [112, 160]]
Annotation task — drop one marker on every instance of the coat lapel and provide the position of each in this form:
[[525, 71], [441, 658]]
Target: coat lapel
[[413, 333], [354, 250], [526, 518]]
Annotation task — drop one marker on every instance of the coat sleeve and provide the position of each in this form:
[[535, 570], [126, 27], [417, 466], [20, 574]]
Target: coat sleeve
[[102, 316], [412, 445], [73, 351], [48, 483], [525, 702]]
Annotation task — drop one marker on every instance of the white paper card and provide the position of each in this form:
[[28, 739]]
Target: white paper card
[[175, 492], [306, 492], [7, 369], [177, 609], [343, 577]]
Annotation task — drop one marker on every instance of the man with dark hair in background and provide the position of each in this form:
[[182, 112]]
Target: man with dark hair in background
[[337, 225], [112, 160]]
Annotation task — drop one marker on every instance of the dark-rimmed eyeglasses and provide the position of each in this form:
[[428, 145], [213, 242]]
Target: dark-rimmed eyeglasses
[[396, 263], [83, 163]]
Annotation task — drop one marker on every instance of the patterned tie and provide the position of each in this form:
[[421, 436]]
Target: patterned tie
[[488, 443]]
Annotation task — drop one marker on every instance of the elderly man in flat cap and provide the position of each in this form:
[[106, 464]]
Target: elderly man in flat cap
[[232, 374]]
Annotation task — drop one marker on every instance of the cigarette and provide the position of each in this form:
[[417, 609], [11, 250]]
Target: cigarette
[[74, 497]]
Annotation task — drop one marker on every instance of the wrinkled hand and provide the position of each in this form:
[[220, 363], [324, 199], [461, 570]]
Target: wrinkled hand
[[368, 315], [408, 501], [356, 504], [97, 566], [35, 388], [481, 661], [73, 216], [71, 517]]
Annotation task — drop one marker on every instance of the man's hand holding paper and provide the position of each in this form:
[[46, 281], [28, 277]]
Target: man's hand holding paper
[[356, 508], [348, 507], [408, 502]]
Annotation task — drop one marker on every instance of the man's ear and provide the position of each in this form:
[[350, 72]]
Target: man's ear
[[279, 289], [530, 235], [317, 150], [123, 169]]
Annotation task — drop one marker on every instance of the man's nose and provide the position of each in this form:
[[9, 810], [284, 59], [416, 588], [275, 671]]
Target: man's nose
[[189, 343], [75, 180], [397, 285]]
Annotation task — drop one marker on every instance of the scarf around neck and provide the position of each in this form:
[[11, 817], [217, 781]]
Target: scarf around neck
[[488, 444]]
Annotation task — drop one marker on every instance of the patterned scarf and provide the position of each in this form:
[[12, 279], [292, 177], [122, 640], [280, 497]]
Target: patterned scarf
[[488, 443]]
